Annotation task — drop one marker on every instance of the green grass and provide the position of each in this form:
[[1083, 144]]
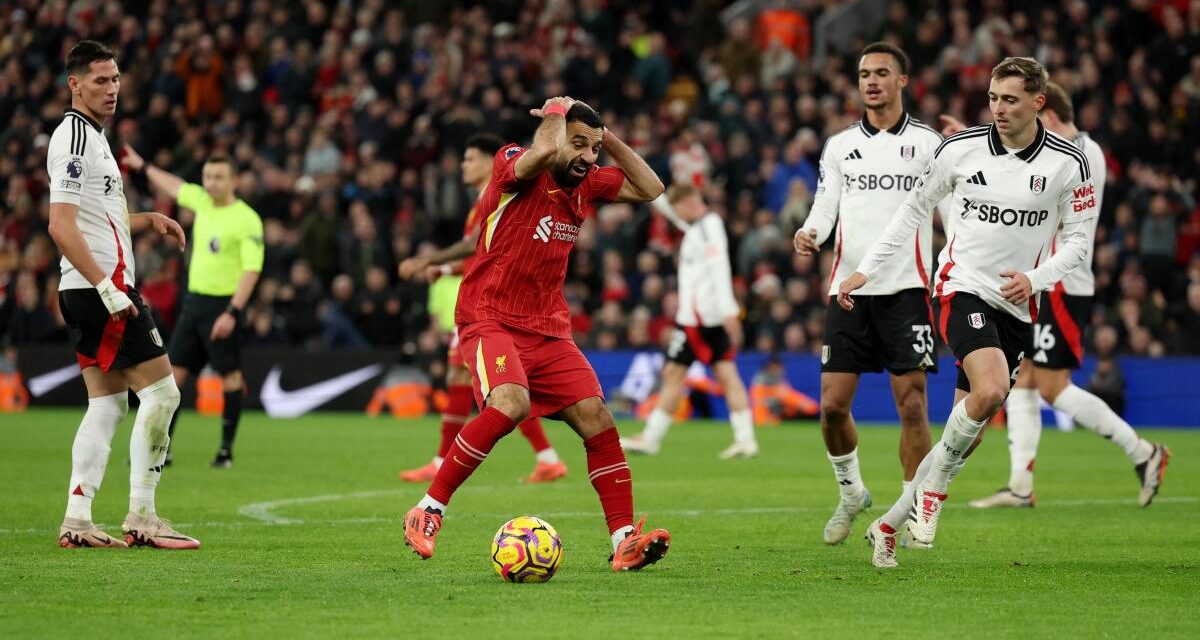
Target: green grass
[[746, 561]]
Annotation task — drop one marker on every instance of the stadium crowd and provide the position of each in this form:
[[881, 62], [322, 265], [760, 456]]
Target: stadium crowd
[[348, 120]]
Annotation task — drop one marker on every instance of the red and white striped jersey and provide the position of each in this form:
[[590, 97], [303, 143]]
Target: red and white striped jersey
[[1008, 206], [83, 171], [865, 176], [527, 231]]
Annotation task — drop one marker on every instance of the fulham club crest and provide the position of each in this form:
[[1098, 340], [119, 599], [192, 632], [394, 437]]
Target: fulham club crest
[[1037, 184], [908, 151], [976, 320]]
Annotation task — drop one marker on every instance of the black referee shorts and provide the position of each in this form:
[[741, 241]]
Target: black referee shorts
[[190, 345], [99, 341], [968, 324]]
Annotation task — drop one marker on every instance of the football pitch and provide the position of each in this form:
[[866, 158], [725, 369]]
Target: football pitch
[[303, 538]]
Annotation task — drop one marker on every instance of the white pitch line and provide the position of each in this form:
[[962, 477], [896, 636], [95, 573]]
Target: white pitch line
[[275, 520]]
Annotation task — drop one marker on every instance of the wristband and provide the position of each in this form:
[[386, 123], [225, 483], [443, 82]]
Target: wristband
[[234, 311], [555, 109]]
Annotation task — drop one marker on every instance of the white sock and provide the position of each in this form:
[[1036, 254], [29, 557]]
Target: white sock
[[429, 503], [656, 426], [547, 456], [898, 513], [743, 426], [1091, 412], [1024, 432], [621, 534], [948, 452], [437, 462], [89, 454], [904, 485], [148, 443], [845, 471]]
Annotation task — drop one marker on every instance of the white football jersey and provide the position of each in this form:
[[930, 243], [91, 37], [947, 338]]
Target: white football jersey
[[1081, 281], [1007, 209], [83, 172], [705, 277], [865, 175]]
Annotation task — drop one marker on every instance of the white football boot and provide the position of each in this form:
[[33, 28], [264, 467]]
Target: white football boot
[[1003, 498], [838, 527], [883, 545]]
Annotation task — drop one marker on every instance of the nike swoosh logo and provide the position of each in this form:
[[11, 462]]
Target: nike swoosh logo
[[461, 462], [553, 191], [40, 385], [619, 481], [297, 402]]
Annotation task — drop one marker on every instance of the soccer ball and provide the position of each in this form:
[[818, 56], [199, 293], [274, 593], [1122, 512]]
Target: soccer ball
[[526, 549]]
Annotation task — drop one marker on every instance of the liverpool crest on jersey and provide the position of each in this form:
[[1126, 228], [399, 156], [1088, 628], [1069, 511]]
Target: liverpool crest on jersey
[[1037, 184], [908, 151]]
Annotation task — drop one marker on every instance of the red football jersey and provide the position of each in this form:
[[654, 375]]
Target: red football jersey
[[527, 231]]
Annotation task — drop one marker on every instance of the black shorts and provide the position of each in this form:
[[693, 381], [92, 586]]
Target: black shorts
[[190, 346], [1058, 332], [706, 344], [968, 324], [893, 332], [100, 342]]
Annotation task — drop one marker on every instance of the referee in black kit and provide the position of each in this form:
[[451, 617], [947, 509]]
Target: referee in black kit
[[227, 257]]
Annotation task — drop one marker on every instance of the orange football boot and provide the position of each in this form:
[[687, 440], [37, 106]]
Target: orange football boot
[[639, 550], [420, 474], [420, 531], [547, 472]]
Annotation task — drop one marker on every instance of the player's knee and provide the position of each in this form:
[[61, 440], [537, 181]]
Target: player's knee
[[911, 407], [114, 406], [162, 399], [835, 411], [510, 399], [232, 381], [989, 396]]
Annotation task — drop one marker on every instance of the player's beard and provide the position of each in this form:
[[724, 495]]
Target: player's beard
[[564, 176]]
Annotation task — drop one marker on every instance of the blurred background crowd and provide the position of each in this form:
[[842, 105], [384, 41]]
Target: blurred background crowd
[[348, 119]]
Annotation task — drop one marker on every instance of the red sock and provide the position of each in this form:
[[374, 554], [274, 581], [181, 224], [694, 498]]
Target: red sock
[[458, 408], [610, 477], [469, 450], [535, 434]]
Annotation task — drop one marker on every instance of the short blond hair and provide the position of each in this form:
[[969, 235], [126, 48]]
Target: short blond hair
[[1028, 69], [679, 192]]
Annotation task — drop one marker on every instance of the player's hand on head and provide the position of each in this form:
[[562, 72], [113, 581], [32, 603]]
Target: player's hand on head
[[848, 286], [1018, 289], [564, 101], [951, 125], [805, 242], [132, 160]]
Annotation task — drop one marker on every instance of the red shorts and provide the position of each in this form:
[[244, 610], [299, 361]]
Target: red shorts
[[552, 369]]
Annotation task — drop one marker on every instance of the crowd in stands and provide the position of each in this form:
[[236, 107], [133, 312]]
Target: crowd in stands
[[347, 120]]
